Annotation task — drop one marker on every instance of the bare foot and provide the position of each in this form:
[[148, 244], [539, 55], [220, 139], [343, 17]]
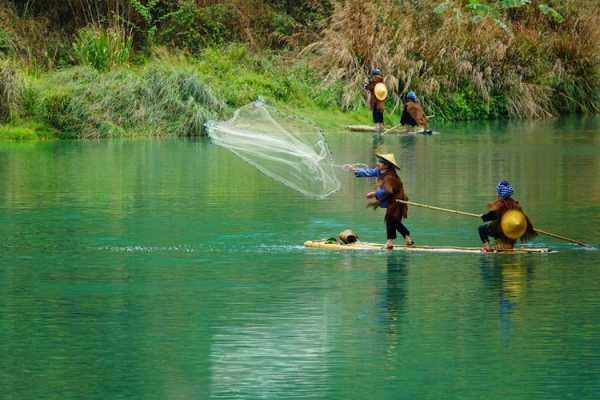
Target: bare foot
[[389, 245], [408, 242], [486, 247]]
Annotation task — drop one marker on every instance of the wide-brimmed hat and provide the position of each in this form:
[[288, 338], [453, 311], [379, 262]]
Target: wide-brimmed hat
[[389, 158], [380, 91], [513, 224]]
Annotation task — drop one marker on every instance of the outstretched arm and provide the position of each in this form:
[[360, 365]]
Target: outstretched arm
[[366, 172]]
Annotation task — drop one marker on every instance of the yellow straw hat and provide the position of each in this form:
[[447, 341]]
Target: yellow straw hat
[[389, 158], [513, 224], [380, 91]]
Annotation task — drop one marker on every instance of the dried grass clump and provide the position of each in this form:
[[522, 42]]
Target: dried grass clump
[[32, 40], [363, 35], [11, 90], [526, 66]]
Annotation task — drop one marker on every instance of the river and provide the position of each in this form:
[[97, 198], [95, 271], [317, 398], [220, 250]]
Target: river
[[171, 269]]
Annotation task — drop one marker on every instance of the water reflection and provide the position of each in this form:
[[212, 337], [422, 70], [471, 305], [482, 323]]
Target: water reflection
[[269, 355], [393, 294], [395, 291], [378, 144], [508, 278]]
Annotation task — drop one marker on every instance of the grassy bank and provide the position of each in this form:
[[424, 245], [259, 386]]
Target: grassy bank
[[166, 95], [121, 70], [27, 130]]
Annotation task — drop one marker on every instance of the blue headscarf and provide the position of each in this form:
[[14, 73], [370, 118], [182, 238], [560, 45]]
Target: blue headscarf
[[376, 71], [412, 96], [504, 189]]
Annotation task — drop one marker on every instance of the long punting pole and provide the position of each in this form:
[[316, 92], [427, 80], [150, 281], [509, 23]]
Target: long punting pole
[[554, 235]]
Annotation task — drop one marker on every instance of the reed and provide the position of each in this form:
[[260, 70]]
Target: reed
[[159, 100], [521, 63], [11, 90], [102, 48]]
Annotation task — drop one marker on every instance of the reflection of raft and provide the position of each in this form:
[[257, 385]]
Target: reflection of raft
[[426, 249], [398, 130]]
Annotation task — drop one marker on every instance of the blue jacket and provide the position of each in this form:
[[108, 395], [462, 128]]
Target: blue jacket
[[372, 173], [367, 172]]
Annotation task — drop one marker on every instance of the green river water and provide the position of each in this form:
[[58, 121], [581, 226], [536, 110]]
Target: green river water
[[171, 269]]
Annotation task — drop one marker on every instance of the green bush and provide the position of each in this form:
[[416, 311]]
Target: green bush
[[58, 113], [26, 131], [282, 24], [240, 76], [29, 101], [466, 105], [180, 28], [159, 100], [219, 24], [102, 48]]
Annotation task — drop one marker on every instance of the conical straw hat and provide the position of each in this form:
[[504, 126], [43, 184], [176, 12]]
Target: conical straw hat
[[389, 158], [513, 224], [380, 91]]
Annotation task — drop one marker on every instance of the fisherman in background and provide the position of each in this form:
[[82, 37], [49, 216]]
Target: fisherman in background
[[413, 114], [507, 221], [376, 95], [389, 189]]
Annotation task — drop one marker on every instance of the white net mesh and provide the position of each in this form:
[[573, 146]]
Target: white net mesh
[[289, 149]]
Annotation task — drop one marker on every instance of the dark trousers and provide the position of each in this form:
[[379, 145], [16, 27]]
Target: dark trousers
[[406, 119], [394, 225], [378, 117], [485, 232]]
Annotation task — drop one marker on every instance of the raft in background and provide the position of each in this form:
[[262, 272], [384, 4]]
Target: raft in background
[[398, 130], [321, 244]]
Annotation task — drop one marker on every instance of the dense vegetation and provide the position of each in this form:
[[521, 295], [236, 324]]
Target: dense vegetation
[[89, 68]]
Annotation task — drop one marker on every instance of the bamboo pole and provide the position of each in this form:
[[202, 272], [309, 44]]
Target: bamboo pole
[[554, 235], [412, 203], [391, 129]]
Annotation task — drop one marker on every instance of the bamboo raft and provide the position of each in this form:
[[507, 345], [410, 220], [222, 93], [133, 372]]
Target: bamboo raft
[[320, 244], [395, 130]]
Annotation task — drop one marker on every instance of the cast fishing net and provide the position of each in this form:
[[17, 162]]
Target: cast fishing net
[[289, 149]]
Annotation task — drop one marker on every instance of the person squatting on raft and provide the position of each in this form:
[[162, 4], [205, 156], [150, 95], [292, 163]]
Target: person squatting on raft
[[376, 98], [413, 114], [505, 230], [389, 189]]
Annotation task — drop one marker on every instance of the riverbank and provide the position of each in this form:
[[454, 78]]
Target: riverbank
[[173, 94], [165, 68], [167, 95]]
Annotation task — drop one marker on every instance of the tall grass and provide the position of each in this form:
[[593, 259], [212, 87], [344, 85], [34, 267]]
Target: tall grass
[[526, 65], [240, 75], [102, 48], [33, 41], [11, 90], [159, 100]]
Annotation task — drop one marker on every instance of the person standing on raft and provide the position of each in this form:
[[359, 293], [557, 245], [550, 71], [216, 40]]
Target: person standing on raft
[[390, 189], [507, 221], [376, 95]]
